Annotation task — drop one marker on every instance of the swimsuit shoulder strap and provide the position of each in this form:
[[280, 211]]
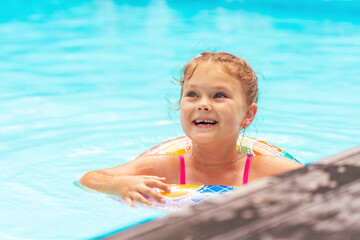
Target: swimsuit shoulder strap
[[182, 170], [246, 170]]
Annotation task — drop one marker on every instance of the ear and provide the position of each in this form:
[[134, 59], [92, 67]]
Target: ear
[[250, 115]]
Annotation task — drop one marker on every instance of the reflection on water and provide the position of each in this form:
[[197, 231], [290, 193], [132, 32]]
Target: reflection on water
[[83, 85]]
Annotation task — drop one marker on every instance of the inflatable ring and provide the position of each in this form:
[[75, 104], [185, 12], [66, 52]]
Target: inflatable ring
[[186, 195], [245, 144]]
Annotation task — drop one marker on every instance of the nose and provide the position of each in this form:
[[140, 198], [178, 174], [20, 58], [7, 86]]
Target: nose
[[204, 105], [203, 108]]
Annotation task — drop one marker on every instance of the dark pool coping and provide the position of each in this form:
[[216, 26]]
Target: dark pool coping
[[319, 201]]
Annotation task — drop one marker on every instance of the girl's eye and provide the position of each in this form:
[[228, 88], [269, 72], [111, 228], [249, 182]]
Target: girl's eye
[[191, 94], [220, 95]]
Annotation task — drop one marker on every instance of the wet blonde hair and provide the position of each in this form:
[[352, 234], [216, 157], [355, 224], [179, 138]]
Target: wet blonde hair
[[230, 64]]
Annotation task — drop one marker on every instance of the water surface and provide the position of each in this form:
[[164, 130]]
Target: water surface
[[85, 85]]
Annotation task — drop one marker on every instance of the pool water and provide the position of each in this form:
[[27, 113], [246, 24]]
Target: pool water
[[86, 85]]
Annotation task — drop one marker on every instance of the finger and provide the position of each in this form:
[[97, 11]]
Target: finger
[[163, 179], [129, 202], [154, 195], [154, 177], [157, 184], [141, 199]]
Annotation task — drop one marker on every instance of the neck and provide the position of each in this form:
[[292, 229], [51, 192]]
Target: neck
[[215, 155], [222, 164]]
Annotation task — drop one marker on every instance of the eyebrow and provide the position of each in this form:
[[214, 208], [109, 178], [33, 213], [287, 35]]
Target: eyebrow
[[216, 87]]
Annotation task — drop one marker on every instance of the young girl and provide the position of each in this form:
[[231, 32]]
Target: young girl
[[218, 99]]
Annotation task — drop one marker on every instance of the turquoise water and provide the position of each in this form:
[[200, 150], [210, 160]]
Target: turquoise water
[[85, 85]]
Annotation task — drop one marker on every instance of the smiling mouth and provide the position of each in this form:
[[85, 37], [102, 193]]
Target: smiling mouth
[[204, 122]]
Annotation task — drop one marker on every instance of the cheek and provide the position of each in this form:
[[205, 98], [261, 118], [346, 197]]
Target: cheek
[[241, 116], [184, 119], [240, 109], [181, 116], [235, 114], [184, 112]]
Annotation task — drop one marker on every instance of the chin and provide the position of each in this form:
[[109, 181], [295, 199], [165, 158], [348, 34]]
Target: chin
[[203, 138]]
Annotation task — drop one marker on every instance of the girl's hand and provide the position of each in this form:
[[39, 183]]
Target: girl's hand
[[132, 188]]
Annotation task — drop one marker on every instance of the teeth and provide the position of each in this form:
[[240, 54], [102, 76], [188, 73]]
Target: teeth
[[205, 121]]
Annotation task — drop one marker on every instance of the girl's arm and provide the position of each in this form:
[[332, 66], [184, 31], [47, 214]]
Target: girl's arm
[[132, 180]]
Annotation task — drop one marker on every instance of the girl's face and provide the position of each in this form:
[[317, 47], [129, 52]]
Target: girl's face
[[212, 105]]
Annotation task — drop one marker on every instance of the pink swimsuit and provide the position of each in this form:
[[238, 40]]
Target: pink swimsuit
[[182, 169]]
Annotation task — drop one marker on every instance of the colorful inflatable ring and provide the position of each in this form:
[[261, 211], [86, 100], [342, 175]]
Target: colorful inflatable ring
[[245, 144], [186, 195]]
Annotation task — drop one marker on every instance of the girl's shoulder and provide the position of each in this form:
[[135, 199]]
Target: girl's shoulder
[[268, 165], [162, 165], [158, 165], [157, 159]]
